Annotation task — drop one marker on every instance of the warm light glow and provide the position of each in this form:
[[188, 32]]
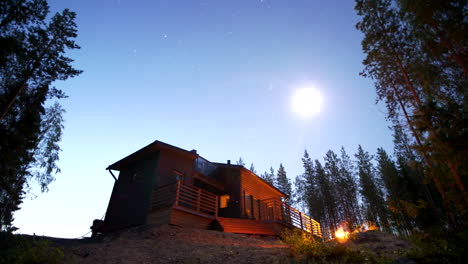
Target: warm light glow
[[306, 102], [341, 234], [368, 226]]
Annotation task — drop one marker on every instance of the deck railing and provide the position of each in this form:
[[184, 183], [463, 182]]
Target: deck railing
[[278, 211], [196, 200], [185, 196]]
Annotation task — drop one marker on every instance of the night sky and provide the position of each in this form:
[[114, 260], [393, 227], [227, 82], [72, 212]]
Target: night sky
[[216, 76]]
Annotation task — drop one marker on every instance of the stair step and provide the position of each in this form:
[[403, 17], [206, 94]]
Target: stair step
[[246, 226]]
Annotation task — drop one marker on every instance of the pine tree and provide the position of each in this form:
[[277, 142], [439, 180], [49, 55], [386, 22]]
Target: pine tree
[[324, 208], [415, 189], [252, 168], [32, 57], [283, 183], [416, 53], [269, 176], [335, 199], [349, 190], [240, 162], [305, 187], [299, 192], [372, 196], [395, 188]]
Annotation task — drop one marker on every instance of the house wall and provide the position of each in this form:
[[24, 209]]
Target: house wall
[[131, 194], [170, 161], [254, 186], [160, 216], [231, 178]]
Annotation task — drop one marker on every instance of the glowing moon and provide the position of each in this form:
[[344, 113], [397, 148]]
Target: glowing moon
[[306, 102]]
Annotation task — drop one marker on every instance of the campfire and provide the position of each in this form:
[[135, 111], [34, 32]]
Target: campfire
[[341, 234]]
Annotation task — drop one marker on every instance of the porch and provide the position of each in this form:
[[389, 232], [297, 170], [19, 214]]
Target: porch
[[268, 216]]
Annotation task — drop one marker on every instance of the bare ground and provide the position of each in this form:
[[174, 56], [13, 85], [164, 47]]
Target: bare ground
[[171, 244]]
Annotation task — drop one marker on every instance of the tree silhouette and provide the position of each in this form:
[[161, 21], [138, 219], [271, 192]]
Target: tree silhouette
[[32, 57]]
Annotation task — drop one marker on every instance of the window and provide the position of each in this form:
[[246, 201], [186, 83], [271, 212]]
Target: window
[[224, 201], [178, 176], [248, 205]]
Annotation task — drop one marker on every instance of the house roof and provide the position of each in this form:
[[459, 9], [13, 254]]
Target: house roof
[[159, 145], [152, 147], [240, 167]]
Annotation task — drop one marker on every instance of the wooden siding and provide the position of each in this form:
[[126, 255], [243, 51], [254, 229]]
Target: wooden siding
[[160, 216], [130, 198], [256, 190], [170, 161], [184, 219], [255, 186]]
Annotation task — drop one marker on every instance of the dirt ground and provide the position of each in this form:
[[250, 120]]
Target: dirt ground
[[379, 243], [171, 244]]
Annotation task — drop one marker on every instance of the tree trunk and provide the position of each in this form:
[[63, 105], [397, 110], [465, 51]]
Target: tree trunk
[[410, 86], [418, 141]]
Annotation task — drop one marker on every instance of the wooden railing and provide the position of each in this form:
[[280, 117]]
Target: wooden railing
[[185, 196], [278, 211], [163, 196]]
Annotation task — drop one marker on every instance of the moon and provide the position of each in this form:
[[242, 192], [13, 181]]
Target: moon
[[306, 102]]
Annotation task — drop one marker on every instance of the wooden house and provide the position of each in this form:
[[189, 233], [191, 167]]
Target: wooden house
[[164, 184]]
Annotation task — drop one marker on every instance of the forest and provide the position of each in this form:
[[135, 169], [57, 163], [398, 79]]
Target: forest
[[416, 54]]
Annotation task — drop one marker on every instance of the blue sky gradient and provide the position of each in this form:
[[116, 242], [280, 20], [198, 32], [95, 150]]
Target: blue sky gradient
[[216, 76]]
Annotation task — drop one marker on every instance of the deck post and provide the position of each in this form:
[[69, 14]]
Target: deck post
[[259, 206], [198, 199], [177, 193], [216, 206], [300, 218]]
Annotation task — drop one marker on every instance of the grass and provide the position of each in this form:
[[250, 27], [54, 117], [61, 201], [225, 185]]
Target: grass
[[427, 248], [18, 249], [306, 247], [432, 247]]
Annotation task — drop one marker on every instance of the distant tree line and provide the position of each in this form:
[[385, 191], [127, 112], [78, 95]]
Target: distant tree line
[[390, 192]]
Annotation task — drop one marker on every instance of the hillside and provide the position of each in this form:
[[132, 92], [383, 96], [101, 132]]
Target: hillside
[[171, 244]]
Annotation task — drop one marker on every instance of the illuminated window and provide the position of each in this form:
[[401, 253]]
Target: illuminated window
[[223, 201]]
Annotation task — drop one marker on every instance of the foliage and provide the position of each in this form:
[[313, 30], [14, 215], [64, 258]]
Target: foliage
[[373, 201], [349, 188], [416, 54], [32, 57], [15, 249], [283, 183], [240, 162], [314, 250], [252, 168], [269, 176], [432, 247]]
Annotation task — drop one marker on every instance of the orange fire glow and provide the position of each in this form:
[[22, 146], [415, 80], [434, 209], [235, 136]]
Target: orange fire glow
[[368, 226], [341, 234]]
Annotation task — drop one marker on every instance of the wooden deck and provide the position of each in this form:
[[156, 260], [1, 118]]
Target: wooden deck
[[194, 207], [274, 210]]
